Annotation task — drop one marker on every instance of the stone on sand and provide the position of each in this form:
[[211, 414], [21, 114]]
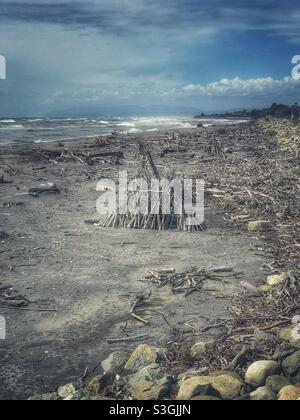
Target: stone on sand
[[199, 349], [196, 386], [277, 280], [289, 393], [291, 367], [143, 356], [277, 382], [66, 390], [150, 383], [264, 393], [258, 372], [115, 361], [259, 226]]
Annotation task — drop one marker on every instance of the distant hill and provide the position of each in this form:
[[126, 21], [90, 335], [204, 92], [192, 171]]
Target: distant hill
[[276, 111]]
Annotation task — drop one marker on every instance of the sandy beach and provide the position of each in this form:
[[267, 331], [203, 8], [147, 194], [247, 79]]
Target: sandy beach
[[77, 278]]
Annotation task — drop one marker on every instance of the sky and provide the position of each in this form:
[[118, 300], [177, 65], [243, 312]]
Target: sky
[[104, 57]]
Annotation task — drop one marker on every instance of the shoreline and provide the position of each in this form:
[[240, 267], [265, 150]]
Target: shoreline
[[158, 130]]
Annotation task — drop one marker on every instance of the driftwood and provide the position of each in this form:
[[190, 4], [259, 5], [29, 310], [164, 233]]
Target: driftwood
[[136, 303], [9, 297], [44, 189], [187, 282], [124, 339], [239, 358]]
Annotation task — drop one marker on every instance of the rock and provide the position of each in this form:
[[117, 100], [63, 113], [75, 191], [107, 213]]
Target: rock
[[95, 385], [206, 398], [258, 372], [263, 393], [259, 226], [45, 397], [150, 383], [196, 386], [144, 355], [289, 393], [277, 382], [95, 398], [190, 373], [262, 338], [288, 335], [291, 367], [79, 395], [226, 372], [99, 383], [66, 390], [228, 386], [296, 378], [199, 349], [282, 350], [277, 280], [265, 288], [114, 362]]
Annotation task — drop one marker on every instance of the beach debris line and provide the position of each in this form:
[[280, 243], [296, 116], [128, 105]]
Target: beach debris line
[[189, 281], [154, 219]]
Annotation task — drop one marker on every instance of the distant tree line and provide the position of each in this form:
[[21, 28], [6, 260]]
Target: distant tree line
[[276, 111]]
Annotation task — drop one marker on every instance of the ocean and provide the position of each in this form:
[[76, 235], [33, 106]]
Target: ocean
[[39, 130]]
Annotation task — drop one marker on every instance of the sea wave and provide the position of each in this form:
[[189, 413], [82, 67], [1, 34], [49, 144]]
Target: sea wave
[[7, 121], [126, 124], [13, 127], [133, 131]]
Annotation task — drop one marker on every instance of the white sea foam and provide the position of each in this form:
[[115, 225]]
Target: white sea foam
[[133, 131], [7, 121], [126, 124], [13, 127]]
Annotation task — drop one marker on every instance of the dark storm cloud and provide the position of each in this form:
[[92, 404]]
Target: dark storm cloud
[[125, 16]]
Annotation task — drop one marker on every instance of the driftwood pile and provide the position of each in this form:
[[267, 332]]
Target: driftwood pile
[[215, 147], [49, 188], [258, 181], [189, 281], [286, 133], [147, 170]]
